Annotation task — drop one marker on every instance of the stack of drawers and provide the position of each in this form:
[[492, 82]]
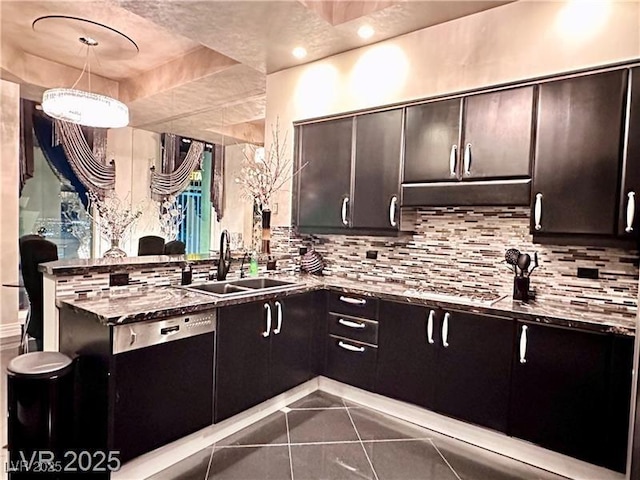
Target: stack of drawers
[[352, 343]]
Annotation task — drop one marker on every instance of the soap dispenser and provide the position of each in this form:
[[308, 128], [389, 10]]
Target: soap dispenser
[[253, 265]]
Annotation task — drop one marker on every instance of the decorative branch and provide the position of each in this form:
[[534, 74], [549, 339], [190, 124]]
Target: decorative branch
[[112, 217], [261, 179], [171, 215]]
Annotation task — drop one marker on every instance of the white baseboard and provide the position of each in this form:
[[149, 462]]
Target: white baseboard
[[488, 439], [163, 457]]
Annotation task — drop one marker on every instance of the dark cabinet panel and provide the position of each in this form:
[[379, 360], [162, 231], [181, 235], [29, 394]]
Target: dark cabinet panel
[[629, 202], [559, 390], [290, 362], [351, 362], [407, 352], [497, 136], [578, 153], [377, 170], [431, 141], [242, 359], [355, 305], [325, 180], [474, 368]]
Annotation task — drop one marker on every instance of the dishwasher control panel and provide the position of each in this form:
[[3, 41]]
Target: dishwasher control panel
[[153, 332]]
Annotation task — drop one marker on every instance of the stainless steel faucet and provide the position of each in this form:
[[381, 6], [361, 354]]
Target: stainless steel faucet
[[224, 260]]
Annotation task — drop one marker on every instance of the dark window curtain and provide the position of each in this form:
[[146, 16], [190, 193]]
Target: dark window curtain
[[217, 179], [27, 107], [55, 156]]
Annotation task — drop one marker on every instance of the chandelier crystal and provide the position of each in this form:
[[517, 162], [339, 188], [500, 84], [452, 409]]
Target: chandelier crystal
[[85, 108]]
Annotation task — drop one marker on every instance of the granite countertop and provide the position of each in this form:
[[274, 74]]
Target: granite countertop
[[80, 266], [114, 309]]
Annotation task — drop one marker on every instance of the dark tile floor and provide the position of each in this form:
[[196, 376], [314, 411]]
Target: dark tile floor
[[322, 437]]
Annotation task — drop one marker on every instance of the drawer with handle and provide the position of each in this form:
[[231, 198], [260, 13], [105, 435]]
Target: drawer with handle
[[354, 328], [354, 305], [351, 362]]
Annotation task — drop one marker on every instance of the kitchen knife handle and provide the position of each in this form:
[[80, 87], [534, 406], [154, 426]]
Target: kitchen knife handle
[[392, 211], [267, 307], [351, 348], [631, 211], [537, 211], [452, 160], [345, 201], [445, 330], [523, 344], [467, 159], [432, 314], [276, 331]]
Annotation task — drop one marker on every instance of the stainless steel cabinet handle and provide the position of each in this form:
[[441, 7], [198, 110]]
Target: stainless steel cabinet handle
[[432, 314], [445, 330], [452, 160], [349, 324], [523, 344], [392, 211], [276, 331], [133, 336], [537, 211], [631, 211], [351, 348], [354, 301], [467, 159], [267, 307], [345, 221]]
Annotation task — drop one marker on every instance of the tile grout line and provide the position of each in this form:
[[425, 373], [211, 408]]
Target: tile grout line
[[213, 449], [375, 475], [286, 419], [305, 444], [445, 460]]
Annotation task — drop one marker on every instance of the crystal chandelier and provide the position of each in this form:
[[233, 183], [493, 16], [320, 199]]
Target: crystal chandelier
[[85, 108]]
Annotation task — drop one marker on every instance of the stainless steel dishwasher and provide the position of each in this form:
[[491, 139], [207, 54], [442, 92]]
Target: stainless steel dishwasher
[[162, 380]]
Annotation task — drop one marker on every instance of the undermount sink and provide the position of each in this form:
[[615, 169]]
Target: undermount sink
[[245, 286]]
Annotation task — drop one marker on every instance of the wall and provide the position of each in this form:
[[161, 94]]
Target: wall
[[508, 43], [9, 151]]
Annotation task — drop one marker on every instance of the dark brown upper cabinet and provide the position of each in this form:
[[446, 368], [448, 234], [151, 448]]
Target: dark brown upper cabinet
[[578, 154], [352, 177], [324, 183], [628, 224], [487, 136], [376, 187]]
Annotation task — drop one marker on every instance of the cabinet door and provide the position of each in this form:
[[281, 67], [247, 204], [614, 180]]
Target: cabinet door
[[474, 368], [559, 394], [407, 348], [432, 131], [377, 170], [578, 152], [628, 223], [290, 363], [351, 362], [242, 359], [498, 130], [325, 179]]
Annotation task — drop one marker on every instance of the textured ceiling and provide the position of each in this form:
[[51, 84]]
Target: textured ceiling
[[201, 66]]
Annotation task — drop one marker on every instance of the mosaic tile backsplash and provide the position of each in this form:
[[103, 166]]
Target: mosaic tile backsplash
[[463, 248]]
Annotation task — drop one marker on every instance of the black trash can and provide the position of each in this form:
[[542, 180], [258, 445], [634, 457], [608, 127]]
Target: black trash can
[[40, 414]]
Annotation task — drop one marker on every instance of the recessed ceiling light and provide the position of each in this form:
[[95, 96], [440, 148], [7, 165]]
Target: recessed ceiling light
[[366, 31], [299, 52]]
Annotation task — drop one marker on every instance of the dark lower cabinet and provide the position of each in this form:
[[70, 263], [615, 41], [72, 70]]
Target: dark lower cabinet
[[351, 362], [453, 362], [407, 353], [242, 359], [256, 358], [474, 368], [560, 392]]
